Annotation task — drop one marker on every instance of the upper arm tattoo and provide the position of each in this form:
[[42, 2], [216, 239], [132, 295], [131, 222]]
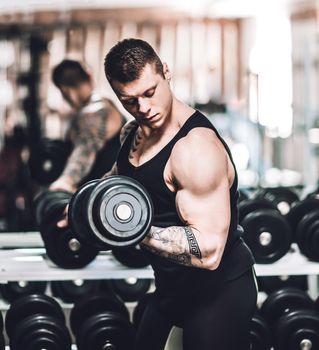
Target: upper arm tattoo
[[176, 243]]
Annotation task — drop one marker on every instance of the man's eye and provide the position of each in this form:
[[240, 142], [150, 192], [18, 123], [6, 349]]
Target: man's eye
[[149, 93], [129, 102]]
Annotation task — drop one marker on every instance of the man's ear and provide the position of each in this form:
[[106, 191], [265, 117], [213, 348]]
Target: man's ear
[[166, 72]]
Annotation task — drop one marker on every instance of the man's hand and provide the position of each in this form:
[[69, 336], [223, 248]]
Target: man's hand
[[64, 221], [64, 184]]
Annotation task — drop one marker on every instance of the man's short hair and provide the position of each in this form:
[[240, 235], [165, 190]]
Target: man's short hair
[[126, 60], [69, 73]]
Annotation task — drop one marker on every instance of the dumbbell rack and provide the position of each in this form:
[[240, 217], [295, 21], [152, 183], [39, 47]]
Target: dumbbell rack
[[23, 258]]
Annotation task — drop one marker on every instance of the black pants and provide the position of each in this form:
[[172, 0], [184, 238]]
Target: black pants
[[218, 320]]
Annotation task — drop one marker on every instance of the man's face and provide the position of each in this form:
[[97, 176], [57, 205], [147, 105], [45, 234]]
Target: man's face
[[148, 99], [72, 96]]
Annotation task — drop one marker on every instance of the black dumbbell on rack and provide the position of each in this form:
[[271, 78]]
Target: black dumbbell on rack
[[293, 319], [304, 222], [260, 333], [71, 291], [35, 322], [47, 159], [282, 197], [14, 290], [100, 322], [266, 230]]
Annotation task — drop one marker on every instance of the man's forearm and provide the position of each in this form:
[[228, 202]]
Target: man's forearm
[[177, 243]]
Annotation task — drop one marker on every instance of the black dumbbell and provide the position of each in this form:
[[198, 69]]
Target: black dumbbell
[[269, 284], [132, 256], [109, 213], [294, 321], [266, 230], [61, 244], [299, 209], [282, 197], [35, 322], [71, 291], [14, 290], [307, 235], [129, 289], [47, 159], [260, 333], [101, 322]]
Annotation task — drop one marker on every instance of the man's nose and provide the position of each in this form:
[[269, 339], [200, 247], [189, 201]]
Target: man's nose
[[144, 106]]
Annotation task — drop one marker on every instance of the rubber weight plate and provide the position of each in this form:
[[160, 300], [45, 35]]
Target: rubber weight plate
[[105, 331], [47, 160], [282, 197], [307, 235], [29, 305], [78, 215], [283, 301], [267, 234], [71, 291], [38, 332], [13, 290], [95, 304], [253, 204], [120, 211], [129, 289], [260, 334], [297, 330], [269, 284], [298, 210], [132, 256]]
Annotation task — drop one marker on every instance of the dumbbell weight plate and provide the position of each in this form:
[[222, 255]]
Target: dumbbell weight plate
[[269, 284], [29, 305], [260, 334], [94, 304], [71, 291], [105, 331], [267, 234], [253, 204], [307, 235], [120, 211], [47, 160], [13, 290], [298, 330], [77, 215], [130, 289], [63, 247], [298, 210], [39, 332], [132, 256], [282, 197], [284, 300]]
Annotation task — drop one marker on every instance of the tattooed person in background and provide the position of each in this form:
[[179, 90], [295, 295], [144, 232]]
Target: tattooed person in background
[[203, 271], [93, 130]]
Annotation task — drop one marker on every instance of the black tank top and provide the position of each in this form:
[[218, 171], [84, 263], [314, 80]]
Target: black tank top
[[171, 278]]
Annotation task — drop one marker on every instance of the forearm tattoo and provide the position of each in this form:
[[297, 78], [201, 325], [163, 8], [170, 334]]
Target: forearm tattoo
[[176, 243]]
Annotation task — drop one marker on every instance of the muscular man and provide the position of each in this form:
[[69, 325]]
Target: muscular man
[[203, 270], [94, 127]]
